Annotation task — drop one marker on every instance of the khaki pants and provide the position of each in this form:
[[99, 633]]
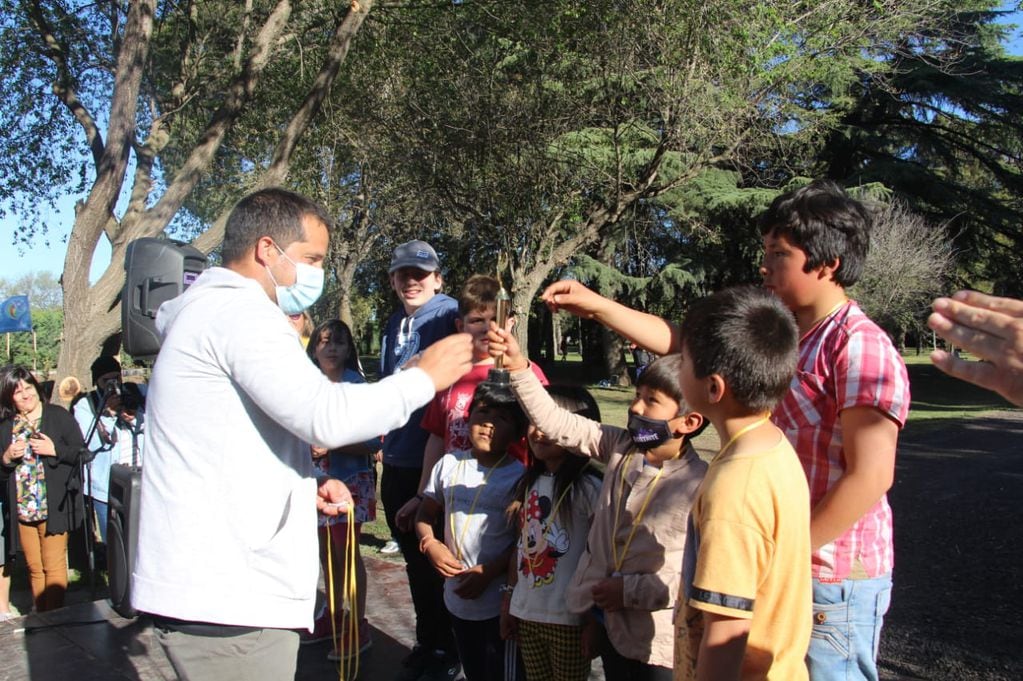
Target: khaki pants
[[256, 655], [46, 558]]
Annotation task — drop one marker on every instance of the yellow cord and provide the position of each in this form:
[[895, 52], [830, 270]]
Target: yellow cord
[[347, 644]]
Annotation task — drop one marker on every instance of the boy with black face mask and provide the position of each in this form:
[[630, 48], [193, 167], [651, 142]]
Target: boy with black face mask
[[628, 577]]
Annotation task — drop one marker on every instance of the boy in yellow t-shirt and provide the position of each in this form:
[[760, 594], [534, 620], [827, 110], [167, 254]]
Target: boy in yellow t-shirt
[[747, 611]]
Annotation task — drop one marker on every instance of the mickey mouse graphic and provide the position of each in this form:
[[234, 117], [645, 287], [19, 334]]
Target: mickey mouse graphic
[[542, 543]]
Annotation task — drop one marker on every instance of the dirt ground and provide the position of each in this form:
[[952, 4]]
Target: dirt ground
[[957, 607]]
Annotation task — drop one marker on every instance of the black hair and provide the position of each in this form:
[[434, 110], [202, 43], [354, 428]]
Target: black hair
[[748, 337], [340, 333], [10, 377], [826, 223], [499, 396], [276, 213], [662, 374], [577, 400]]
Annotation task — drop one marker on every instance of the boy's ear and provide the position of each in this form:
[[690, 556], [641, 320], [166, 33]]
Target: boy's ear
[[687, 423], [459, 324], [716, 388], [828, 269]]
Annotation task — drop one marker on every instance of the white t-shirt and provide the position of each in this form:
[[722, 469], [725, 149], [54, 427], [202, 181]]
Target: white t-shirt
[[476, 527], [550, 546]]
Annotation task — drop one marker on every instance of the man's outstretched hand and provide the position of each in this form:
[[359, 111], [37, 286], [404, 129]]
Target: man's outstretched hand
[[989, 327], [447, 360]]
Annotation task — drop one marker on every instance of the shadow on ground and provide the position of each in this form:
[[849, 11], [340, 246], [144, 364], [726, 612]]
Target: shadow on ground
[[956, 608]]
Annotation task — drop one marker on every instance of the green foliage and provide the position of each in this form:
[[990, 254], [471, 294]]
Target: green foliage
[[48, 325], [674, 282], [44, 299], [646, 137], [940, 125]]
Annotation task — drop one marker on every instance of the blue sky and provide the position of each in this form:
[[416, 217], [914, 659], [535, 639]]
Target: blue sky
[[42, 258]]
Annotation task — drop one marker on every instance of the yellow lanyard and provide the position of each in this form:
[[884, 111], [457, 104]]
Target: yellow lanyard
[[347, 643], [620, 560], [451, 504], [530, 565], [742, 431]]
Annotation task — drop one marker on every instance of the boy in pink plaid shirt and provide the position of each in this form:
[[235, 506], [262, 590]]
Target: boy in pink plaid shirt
[[843, 413], [848, 401]]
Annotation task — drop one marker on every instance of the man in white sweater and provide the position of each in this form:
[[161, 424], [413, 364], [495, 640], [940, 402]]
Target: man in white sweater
[[227, 553]]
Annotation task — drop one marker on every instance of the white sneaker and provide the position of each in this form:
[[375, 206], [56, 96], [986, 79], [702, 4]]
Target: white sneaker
[[390, 548]]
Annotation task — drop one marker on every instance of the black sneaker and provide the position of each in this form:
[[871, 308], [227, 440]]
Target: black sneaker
[[442, 668], [414, 664]]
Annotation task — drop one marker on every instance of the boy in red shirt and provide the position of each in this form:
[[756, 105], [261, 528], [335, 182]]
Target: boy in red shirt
[[447, 417]]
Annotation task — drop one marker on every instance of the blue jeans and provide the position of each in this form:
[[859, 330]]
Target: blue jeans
[[847, 619], [102, 509]]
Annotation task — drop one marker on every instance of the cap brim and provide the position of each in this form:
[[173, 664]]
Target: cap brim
[[416, 264]]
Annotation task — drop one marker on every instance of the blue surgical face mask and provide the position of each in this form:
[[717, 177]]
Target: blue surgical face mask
[[648, 433], [304, 292]]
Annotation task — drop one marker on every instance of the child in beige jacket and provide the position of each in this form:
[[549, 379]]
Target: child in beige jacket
[[628, 577]]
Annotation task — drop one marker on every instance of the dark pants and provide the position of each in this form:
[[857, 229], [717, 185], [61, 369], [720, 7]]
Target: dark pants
[[433, 625], [622, 668], [482, 651]]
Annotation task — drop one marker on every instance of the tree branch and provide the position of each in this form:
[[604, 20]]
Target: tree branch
[[280, 164], [238, 94], [64, 83]]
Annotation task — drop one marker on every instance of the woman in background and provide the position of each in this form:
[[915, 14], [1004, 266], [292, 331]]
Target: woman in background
[[42, 444]]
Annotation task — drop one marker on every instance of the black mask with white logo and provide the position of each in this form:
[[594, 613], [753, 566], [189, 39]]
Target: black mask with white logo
[[648, 433]]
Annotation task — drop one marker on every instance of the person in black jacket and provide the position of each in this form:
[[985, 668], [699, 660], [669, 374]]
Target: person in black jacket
[[39, 469]]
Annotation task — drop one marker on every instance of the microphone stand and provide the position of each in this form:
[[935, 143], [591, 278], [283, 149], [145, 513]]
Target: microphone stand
[[85, 457]]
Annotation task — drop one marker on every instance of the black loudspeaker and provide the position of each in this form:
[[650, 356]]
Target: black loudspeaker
[[156, 270], [122, 534]]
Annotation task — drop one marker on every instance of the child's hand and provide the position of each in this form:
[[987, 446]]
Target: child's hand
[[573, 297], [609, 594], [472, 582], [442, 560], [503, 343], [509, 626]]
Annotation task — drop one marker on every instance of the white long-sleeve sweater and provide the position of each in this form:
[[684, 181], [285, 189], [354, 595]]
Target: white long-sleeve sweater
[[227, 532]]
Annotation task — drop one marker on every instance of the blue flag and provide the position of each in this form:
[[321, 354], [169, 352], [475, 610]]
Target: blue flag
[[15, 315]]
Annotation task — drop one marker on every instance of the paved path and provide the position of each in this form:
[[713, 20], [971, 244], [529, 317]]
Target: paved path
[[88, 641]]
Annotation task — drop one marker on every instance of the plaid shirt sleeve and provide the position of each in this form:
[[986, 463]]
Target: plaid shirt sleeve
[[870, 373]]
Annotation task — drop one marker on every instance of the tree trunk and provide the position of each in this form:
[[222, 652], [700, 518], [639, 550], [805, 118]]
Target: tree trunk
[[612, 344], [91, 314]]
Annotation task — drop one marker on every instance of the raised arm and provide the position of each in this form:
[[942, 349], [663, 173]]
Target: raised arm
[[571, 431], [646, 330]]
